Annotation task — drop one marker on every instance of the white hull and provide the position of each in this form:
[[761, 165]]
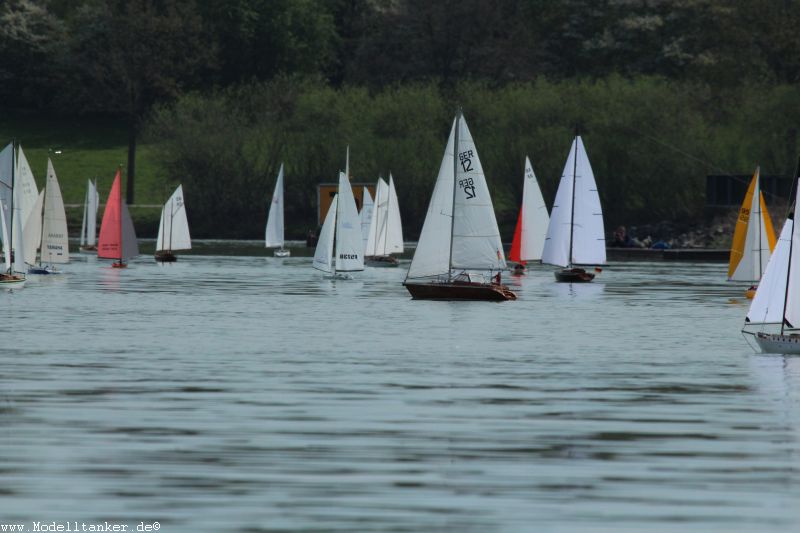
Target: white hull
[[282, 253], [777, 343], [12, 284], [338, 275]]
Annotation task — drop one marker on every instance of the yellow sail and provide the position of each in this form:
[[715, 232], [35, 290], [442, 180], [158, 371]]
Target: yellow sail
[[741, 246]]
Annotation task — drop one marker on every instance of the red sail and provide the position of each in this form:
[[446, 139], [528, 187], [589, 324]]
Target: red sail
[[109, 245], [513, 255]]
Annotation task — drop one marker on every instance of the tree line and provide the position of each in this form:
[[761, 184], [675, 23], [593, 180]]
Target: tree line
[[716, 64]]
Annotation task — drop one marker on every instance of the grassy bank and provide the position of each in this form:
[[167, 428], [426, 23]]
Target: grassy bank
[[91, 147]]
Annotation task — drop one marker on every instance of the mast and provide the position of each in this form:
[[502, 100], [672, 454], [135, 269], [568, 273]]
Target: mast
[[760, 214], [11, 225], [455, 176], [336, 219], [120, 215], [84, 226], [41, 234], [171, 220], [572, 209], [791, 242]]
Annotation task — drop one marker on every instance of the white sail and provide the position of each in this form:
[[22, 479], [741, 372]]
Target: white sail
[[32, 230], [375, 238], [16, 237], [581, 231], [432, 256], [393, 243], [173, 229], [767, 304], [28, 193], [349, 246], [323, 255], [365, 216], [91, 221], [6, 181], [274, 233], [792, 314], [756, 244], [85, 213], [4, 236], [55, 240], [534, 217], [476, 238]]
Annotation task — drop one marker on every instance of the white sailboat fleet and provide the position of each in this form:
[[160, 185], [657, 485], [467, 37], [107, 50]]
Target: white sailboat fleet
[[576, 236], [173, 229], [89, 225], [11, 220], [340, 247], [460, 241], [365, 215], [385, 231], [274, 237], [532, 223]]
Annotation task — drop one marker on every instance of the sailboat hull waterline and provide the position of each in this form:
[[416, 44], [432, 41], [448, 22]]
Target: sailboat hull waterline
[[88, 249], [282, 252], [777, 343], [382, 261], [460, 290], [11, 281], [573, 275], [165, 256]]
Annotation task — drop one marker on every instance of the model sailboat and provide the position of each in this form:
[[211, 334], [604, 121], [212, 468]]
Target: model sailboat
[[753, 238], [777, 299], [340, 236], [13, 272], [385, 236], [532, 223], [575, 235], [460, 242], [274, 232], [117, 236], [89, 225], [173, 229], [46, 228]]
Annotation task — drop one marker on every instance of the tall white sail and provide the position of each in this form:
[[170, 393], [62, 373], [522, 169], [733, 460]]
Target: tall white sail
[[534, 217], [28, 193], [580, 230], [432, 256], [349, 246], [365, 216], [792, 314], [5, 237], [16, 237], [476, 238], [90, 205], [323, 255], [32, 230], [55, 240], [173, 229], [393, 243], [767, 304], [274, 233], [6, 182], [376, 237]]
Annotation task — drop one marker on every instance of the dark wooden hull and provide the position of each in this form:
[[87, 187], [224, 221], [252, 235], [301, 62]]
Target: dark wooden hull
[[88, 249], [165, 257], [573, 275], [458, 290], [382, 261]]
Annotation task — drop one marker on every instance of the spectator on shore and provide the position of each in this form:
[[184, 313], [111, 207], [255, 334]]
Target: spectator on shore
[[621, 238]]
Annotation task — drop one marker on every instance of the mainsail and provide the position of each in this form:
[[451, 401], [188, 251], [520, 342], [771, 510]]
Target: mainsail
[[117, 236], [532, 221], [365, 216], [173, 229], [55, 240], [753, 238], [89, 224], [349, 244], [274, 232], [323, 258]]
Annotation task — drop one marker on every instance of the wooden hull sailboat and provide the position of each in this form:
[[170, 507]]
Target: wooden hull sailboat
[[460, 233], [575, 235], [117, 236], [753, 238], [165, 256]]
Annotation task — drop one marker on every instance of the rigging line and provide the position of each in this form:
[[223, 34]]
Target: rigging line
[[693, 157]]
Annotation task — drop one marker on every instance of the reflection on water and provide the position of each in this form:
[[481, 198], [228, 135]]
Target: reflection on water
[[250, 394]]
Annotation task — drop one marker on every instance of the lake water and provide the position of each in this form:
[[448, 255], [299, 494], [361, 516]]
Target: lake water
[[245, 394]]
